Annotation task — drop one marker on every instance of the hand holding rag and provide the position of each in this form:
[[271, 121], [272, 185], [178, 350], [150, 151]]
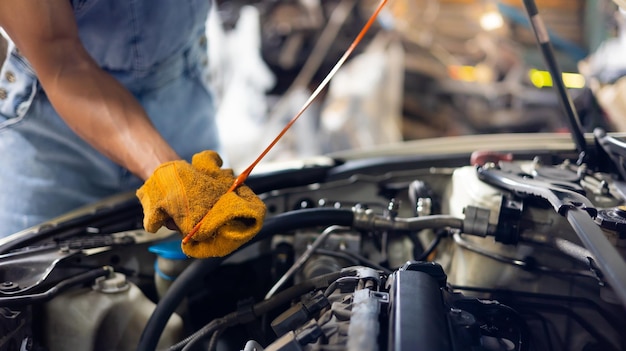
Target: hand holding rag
[[197, 192]]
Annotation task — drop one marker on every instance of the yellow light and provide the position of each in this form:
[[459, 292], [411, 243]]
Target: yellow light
[[464, 73], [574, 80], [541, 79]]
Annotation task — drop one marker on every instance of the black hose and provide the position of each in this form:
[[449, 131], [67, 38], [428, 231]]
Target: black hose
[[333, 286], [432, 246], [193, 274], [282, 298], [213, 342], [365, 262]]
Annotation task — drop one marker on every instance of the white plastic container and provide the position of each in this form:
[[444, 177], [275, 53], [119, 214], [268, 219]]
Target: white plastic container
[[467, 267], [109, 316]]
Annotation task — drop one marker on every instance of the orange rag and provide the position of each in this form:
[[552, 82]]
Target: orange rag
[[187, 193]]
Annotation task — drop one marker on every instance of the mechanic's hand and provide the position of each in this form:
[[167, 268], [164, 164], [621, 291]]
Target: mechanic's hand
[[187, 193]]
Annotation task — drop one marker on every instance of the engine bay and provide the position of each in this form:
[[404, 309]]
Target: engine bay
[[489, 242], [520, 247]]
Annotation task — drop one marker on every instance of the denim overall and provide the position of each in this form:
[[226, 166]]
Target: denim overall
[[158, 50]]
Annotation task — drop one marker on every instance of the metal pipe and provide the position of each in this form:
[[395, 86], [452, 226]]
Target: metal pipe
[[302, 259], [368, 220]]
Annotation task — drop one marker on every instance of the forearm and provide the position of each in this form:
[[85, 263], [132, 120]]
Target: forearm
[[97, 107], [107, 116]]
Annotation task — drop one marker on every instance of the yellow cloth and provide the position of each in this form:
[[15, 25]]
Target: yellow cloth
[[187, 193]]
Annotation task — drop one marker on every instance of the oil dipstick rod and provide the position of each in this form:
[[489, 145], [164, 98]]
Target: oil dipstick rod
[[244, 175]]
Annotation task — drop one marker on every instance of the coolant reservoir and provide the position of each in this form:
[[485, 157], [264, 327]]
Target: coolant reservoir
[[108, 316], [470, 268]]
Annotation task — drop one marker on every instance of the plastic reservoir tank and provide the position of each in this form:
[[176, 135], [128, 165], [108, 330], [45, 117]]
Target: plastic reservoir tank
[[108, 316]]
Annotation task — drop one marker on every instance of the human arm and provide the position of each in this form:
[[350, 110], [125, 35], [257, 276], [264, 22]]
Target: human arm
[[191, 197], [92, 103]]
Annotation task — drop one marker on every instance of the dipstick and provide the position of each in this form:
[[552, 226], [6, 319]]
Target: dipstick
[[244, 175]]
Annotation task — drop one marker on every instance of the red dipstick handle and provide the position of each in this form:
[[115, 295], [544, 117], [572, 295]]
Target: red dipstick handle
[[244, 175]]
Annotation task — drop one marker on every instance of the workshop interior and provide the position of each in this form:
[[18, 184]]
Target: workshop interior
[[460, 184]]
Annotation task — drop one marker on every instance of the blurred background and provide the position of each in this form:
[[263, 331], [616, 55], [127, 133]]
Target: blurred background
[[426, 69]]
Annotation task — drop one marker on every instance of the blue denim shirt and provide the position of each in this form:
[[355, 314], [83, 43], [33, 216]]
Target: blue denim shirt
[[139, 36], [158, 50], [136, 41]]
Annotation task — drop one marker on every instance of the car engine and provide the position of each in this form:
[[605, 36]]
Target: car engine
[[490, 242], [501, 242]]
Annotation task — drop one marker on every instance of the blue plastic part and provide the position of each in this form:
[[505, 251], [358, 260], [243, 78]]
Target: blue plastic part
[[160, 273], [169, 249]]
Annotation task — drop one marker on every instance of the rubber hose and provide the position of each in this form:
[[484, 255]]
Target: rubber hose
[[193, 274], [258, 309]]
